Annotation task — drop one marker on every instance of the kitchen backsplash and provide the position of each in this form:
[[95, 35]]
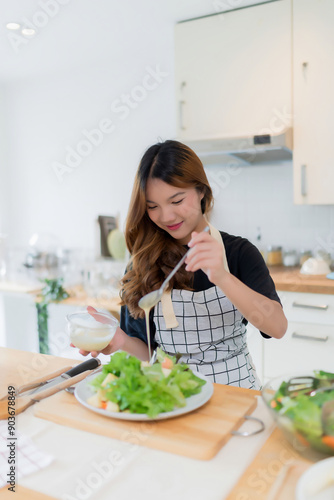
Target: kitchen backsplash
[[253, 199]]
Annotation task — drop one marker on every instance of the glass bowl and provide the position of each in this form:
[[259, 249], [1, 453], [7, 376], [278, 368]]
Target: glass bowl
[[300, 418], [89, 333]]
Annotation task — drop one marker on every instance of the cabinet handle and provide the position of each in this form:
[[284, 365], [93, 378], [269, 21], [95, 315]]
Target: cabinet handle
[[303, 180], [311, 306], [309, 337], [181, 103]]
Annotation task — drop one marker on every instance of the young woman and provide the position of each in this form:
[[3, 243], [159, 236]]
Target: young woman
[[224, 284]]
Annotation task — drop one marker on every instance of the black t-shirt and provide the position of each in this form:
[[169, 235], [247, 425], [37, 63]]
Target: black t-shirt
[[245, 263]]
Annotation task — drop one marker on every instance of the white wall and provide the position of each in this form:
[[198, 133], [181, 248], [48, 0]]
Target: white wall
[[47, 112], [3, 165], [50, 116], [251, 197]]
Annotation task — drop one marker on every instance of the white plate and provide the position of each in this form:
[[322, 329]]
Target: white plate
[[317, 482], [83, 391]]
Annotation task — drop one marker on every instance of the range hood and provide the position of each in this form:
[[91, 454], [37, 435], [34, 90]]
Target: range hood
[[255, 149]]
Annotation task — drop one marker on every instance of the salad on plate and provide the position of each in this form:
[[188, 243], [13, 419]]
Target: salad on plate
[[127, 384]]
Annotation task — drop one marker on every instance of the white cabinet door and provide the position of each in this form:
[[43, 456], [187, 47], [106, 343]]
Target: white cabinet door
[[305, 346], [316, 308], [233, 72], [313, 97], [19, 321], [255, 345]]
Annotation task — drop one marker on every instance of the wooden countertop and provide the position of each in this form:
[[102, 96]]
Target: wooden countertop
[[286, 279], [271, 462], [79, 297], [290, 280]]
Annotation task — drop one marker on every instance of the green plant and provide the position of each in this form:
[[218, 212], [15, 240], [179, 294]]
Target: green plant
[[53, 291]]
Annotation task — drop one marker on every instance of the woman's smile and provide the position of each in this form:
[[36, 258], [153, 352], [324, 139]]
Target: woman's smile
[[176, 210], [174, 227]]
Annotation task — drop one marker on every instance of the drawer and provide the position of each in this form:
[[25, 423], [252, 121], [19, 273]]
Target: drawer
[[308, 307], [305, 346]]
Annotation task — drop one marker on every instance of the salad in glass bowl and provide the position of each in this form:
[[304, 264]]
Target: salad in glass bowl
[[303, 407]]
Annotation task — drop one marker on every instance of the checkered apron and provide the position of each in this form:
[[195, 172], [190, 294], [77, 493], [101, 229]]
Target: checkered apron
[[208, 331]]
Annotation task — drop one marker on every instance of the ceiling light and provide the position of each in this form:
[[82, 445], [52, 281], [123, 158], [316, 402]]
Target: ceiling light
[[28, 31], [13, 26]]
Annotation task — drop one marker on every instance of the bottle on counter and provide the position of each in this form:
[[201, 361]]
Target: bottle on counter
[[326, 256], [274, 256], [304, 256], [290, 258]]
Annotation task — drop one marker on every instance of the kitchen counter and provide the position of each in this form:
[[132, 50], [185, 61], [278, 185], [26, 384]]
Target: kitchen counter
[[291, 280], [79, 297], [139, 472], [286, 279]]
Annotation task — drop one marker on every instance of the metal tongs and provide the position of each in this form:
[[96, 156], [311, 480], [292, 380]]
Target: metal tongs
[[305, 385]]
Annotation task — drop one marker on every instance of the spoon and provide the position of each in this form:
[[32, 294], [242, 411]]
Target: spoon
[[151, 299]]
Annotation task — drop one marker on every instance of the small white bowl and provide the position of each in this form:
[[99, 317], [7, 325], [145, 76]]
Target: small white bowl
[[317, 482], [314, 266]]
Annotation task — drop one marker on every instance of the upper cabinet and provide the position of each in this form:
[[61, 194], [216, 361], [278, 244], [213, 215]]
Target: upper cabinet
[[261, 70], [233, 72], [313, 101]]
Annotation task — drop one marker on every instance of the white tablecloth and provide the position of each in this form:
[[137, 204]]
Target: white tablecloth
[[93, 467]]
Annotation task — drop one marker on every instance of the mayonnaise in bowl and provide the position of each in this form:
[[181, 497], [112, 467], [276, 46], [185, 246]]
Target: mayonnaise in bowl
[[89, 333]]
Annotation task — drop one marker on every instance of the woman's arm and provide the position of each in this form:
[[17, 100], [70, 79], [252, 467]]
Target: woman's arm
[[265, 314]]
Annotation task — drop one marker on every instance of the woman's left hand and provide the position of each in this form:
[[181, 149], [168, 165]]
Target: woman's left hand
[[206, 254]]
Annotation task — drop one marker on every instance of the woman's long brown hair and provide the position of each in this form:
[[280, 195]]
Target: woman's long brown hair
[[154, 253]]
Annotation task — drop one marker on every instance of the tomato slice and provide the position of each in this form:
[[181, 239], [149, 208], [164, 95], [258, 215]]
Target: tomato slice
[[328, 441]]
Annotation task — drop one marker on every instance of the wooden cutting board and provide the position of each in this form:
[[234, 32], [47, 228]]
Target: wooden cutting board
[[199, 434], [22, 493]]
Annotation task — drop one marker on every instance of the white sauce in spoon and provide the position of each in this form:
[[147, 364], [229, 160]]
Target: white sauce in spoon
[[146, 303]]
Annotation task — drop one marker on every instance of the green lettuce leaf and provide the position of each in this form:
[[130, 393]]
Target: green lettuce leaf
[[142, 388]]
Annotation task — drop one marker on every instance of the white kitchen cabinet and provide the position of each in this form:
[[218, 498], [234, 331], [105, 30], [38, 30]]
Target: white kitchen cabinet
[[233, 72], [309, 342], [313, 98], [305, 347], [19, 321], [19, 318], [255, 346], [313, 308]]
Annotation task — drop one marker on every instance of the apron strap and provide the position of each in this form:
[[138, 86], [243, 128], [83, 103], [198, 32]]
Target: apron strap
[[218, 237], [166, 299], [168, 310]]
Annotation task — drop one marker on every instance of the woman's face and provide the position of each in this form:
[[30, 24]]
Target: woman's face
[[175, 210]]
